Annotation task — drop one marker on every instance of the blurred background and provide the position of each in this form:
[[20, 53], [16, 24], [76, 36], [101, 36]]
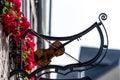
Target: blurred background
[[68, 17]]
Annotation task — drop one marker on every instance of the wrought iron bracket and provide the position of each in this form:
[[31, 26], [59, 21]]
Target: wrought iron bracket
[[77, 67]]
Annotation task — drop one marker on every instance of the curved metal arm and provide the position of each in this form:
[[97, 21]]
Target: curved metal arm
[[78, 66], [70, 38], [60, 38]]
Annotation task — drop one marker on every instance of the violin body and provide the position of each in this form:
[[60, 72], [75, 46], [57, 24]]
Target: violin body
[[43, 56]]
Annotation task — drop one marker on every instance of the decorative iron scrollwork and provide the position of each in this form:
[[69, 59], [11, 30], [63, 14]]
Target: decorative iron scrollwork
[[76, 67], [102, 16]]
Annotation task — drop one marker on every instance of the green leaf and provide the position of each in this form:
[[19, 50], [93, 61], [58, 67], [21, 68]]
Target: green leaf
[[6, 3], [11, 5], [24, 56], [4, 10]]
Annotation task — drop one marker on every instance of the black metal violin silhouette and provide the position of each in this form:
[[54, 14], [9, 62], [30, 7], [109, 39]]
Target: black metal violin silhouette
[[43, 56]]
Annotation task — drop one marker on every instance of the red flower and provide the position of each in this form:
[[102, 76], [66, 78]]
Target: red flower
[[30, 60], [29, 67], [16, 5], [19, 14], [30, 44], [24, 21], [33, 78], [30, 36], [9, 22], [24, 24], [14, 22], [24, 48], [8, 18], [10, 0], [13, 27], [30, 57], [17, 37]]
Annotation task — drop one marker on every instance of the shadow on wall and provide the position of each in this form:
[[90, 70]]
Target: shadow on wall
[[110, 62]]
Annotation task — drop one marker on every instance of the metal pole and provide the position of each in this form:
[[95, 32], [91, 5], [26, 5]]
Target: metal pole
[[50, 18], [39, 9]]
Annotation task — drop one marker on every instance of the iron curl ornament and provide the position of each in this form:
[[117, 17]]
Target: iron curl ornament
[[59, 49]]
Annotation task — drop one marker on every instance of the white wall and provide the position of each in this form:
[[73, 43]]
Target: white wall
[[4, 55]]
